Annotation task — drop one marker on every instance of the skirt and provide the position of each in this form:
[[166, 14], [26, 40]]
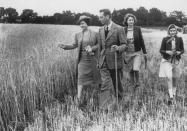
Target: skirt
[[169, 70], [88, 73], [133, 61]]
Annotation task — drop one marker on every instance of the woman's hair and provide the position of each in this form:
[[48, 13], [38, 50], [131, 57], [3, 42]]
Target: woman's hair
[[127, 17], [171, 27]]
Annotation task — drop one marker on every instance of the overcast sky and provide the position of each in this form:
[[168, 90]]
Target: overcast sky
[[49, 7]]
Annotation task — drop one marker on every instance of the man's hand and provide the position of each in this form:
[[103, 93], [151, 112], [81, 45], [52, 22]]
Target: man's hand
[[114, 48]]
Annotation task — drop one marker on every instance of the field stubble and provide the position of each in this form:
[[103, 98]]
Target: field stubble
[[37, 82]]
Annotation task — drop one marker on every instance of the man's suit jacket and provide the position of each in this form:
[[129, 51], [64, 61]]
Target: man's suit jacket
[[116, 36]]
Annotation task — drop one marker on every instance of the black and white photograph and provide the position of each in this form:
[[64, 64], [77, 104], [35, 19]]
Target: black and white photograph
[[93, 65]]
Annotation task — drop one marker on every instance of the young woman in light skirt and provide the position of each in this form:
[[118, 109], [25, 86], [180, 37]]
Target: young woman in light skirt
[[172, 48]]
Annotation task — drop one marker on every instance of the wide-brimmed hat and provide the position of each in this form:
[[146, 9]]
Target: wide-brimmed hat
[[82, 18]]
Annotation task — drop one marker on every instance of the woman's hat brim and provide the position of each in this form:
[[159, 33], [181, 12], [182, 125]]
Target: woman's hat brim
[[82, 18]]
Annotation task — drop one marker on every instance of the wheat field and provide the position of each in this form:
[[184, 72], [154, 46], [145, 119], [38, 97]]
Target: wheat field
[[38, 85]]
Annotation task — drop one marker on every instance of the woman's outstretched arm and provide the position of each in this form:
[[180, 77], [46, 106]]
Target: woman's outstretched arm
[[72, 46]]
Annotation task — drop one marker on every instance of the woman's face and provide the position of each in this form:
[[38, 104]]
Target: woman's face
[[130, 21], [83, 25], [173, 31]]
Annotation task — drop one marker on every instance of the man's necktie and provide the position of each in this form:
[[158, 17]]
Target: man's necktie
[[106, 32]]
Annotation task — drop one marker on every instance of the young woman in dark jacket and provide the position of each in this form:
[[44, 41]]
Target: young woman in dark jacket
[[135, 48], [172, 48]]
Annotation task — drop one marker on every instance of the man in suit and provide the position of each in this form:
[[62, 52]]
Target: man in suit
[[113, 40]]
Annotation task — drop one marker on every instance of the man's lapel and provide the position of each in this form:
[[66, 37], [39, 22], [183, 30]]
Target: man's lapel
[[110, 32], [103, 33]]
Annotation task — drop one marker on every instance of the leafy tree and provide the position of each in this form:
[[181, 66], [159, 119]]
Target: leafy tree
[[48, 20], [142, 16], [172, 20], [118, 15], [156, 17], [185, 20], [68, 17], [153, 17], [2, 12], [28, 16], [58, 18], [10, 15], [179, 15]]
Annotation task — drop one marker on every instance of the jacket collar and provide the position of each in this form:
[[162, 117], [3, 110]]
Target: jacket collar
[[109, 26], [112, 28]]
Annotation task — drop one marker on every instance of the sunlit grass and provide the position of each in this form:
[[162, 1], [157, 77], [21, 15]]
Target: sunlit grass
[[38, 82]]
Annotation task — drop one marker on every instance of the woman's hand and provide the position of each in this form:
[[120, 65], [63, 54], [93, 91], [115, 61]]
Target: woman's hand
[[88, 49], [178, 52], [62, 46], [170, 52]]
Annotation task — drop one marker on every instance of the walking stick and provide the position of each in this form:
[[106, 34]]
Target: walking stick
[[116, 70]]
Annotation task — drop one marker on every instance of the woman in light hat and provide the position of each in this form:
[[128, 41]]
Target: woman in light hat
[[172, 48], [87, 42], [135, 48]]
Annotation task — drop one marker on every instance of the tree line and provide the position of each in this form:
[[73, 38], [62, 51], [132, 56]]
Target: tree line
[[152, 17]]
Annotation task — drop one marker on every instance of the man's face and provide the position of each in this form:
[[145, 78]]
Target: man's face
[[103, 19]]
